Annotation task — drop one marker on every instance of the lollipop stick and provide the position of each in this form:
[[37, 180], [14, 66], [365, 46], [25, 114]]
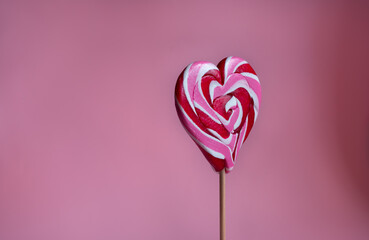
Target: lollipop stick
[[222, 203]]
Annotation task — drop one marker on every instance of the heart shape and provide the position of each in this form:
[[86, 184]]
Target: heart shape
[[218, 105]]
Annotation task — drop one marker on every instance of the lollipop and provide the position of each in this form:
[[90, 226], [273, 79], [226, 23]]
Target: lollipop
[[218, 106]]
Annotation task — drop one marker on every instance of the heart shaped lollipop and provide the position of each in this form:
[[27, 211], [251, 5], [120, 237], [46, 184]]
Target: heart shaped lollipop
[[218, 106]]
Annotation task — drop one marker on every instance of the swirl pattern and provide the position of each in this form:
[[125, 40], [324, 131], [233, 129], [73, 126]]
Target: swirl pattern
[[218, 105]]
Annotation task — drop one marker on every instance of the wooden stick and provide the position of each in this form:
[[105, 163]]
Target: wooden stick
[[222, 203]]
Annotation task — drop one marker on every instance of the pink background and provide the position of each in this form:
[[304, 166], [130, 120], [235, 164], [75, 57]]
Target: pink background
[[91, 147]]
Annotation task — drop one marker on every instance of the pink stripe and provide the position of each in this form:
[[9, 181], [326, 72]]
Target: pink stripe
[[197, 113]]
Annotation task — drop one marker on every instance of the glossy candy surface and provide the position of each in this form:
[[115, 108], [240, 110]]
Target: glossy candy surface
[[218, 106]]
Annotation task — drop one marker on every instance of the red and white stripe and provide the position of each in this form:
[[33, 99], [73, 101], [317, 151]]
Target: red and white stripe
[[218, 106]]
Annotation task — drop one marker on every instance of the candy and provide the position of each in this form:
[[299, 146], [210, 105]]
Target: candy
[[218, 105]]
